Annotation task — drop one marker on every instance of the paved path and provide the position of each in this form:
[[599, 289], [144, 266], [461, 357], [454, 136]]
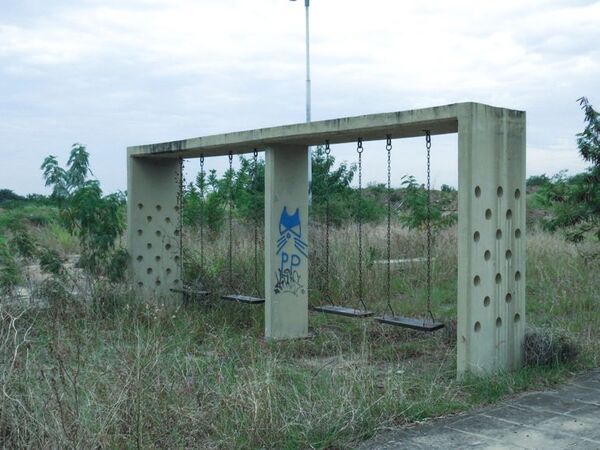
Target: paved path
[[565, 418]]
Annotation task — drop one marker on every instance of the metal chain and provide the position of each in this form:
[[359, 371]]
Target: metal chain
[[428, 224], [327, 223], [230, 219], [180, 216], [388, 147], [255, 187], [202, 212], [359, 150]]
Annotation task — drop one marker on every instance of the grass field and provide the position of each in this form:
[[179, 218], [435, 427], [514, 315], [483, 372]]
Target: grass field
[[117, 371]]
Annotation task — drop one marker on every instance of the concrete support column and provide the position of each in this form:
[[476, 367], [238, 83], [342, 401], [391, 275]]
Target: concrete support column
[[286, 242], [491, 242], [154, 224]]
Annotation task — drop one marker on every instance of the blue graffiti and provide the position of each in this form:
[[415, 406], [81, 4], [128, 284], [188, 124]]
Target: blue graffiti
[[290, 229]]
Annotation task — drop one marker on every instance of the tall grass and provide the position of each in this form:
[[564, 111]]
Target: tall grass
[[119, 371]]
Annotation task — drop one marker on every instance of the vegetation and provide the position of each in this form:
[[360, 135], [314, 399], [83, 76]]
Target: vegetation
[[95, 219], [573, 202], [207, 199], [134, 373]]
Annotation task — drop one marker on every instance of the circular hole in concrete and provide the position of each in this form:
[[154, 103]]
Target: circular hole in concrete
[[149, 218], [140, 258], [176, 259], [498, 278], [140, 206], [487, 300], [176, 208], [517, 193], [508, 214], [487, 255], [140, 284], [518, 233], [476, 280], [517, 275], [149, 270], [498, 322], [498, 234], [488, 214], [148, 245], [157, 282], [508, 298], [176, 232], [158, 207], [168, 246], [168, 219], [477, 191], [158, 233], [517, 317], [477, 327], [508, 254], [176, 281], [139, 232], [157, 258], [476, 236], [500, 191], [168, 270]]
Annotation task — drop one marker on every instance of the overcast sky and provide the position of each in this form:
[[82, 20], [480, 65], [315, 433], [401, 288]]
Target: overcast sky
[[115, 73]]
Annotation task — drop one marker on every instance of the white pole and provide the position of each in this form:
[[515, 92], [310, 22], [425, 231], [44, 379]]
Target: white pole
[[308, 105], [308, 102]]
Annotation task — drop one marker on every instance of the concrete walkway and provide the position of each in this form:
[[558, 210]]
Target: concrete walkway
[[565, 418]]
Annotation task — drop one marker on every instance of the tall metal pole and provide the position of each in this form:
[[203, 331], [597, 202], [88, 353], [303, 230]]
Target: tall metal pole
[[308, 102], [308, 105]]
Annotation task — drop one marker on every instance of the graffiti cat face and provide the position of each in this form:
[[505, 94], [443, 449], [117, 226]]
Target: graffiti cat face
[[290, 223]]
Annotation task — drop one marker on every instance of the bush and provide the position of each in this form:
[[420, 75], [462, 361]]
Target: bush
[[10, 270], [547, 347]]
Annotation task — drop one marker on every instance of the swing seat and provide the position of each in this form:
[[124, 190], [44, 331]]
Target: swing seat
[[243, 299], [410, 322], [343, 311], [190, 292]]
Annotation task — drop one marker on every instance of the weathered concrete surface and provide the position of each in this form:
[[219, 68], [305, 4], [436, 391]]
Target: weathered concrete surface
[[286, 242], [565, 418]]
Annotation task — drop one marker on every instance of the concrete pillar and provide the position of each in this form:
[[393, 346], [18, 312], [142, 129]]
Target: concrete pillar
[[491, 243], [286, 242], [154, 224]]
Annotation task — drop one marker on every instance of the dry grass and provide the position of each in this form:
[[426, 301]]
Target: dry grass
[[119, 371]]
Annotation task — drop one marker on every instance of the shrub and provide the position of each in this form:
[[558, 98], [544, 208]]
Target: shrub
[[546, 347]]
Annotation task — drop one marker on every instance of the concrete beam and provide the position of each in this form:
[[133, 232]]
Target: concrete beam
[[439, 120]]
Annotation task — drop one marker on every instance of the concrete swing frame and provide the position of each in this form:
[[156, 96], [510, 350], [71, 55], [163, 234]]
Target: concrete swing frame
[[491, 218]]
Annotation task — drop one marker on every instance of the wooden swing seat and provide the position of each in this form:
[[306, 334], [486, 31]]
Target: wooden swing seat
[[190, 291], [343, 311], [243, 299], [410, 322]]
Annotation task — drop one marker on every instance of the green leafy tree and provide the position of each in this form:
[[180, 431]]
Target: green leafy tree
[[414, 206], [6, 195], [575, 201], [332, 185], [97, 220]]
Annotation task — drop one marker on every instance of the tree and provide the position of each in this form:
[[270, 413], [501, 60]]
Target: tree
[[575, 201], [6, 195], [96, 219], [414, 206]]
